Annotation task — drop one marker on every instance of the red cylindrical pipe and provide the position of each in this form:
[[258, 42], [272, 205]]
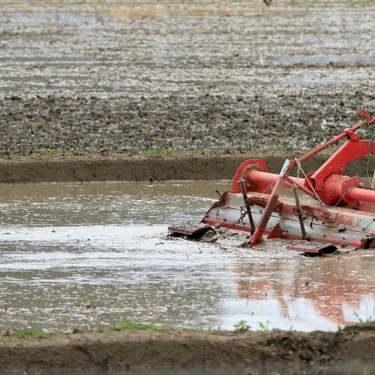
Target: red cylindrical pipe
[[268, 179], [265, 180], [359, 194]]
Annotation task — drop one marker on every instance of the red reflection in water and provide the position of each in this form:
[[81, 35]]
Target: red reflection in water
[[333, 285]]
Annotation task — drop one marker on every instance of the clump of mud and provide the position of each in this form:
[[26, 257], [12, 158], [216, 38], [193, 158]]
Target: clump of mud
[[229, 240]]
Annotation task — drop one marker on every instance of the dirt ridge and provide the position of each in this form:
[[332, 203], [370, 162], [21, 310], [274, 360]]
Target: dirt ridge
[[132, 349], [161, 167]]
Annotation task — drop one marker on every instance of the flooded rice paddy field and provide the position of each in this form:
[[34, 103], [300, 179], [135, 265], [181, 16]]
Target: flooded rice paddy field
[[82, 77], [88, 77], [124, 77], [88, 255]]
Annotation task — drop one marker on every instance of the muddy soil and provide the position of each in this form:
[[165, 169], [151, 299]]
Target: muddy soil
[[144, 76], [350, 351], [159, 167], [97, 83], [126, 78]]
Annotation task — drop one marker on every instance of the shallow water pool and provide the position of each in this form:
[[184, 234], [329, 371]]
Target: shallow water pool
[[90, 255]]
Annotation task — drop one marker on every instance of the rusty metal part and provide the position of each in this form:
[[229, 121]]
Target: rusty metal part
[[247, 205], [323, 224], [299, 212]]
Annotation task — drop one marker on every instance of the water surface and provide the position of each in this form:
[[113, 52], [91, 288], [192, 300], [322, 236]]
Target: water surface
[[89, 255]]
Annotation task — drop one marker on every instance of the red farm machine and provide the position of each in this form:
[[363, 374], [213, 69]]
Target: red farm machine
[[336, 211]]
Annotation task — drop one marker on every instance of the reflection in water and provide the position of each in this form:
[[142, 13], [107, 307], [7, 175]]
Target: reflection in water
[[313, 293], [79, 255]]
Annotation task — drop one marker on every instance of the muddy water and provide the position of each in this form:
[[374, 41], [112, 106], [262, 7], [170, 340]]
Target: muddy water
[[89, 255]]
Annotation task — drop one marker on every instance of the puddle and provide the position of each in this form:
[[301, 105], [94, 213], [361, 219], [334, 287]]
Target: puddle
[[89, 255]]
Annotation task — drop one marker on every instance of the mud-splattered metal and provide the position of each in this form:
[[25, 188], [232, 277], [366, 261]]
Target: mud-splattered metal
[[342, 215]]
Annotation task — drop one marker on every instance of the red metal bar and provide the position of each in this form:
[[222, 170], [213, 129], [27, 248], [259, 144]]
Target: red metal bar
[[351, 150], [258, 234], [345, 133], [280, 182], [265, 179], [328, 184]]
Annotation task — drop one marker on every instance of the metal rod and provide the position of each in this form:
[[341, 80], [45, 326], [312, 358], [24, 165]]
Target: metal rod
[[244, 193], [299, 212], [271, 204], [331, 142]]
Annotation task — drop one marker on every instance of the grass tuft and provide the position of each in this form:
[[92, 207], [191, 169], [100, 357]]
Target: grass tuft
[[171, 151], [136, 325], [27, 333], [50, 152], [241, 326], [147, 152]]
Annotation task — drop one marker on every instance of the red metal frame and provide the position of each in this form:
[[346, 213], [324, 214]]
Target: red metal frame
[[343, 202]]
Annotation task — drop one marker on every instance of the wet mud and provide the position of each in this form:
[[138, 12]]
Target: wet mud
[[123, 78], [85, 87], [350, 351]]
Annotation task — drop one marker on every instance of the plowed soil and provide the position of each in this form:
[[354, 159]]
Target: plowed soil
[[145, 90]]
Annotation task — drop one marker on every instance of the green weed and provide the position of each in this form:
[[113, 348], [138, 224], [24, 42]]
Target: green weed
[[67, 153], [135, 325], [50, 152], [263, 327], [361, 320], [147, 152], [206, 151], [18, 154], [171, 151], [241, 326], [27, 333]]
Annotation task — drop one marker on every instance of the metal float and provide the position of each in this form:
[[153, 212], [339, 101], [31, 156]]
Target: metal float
[[335, 211]]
